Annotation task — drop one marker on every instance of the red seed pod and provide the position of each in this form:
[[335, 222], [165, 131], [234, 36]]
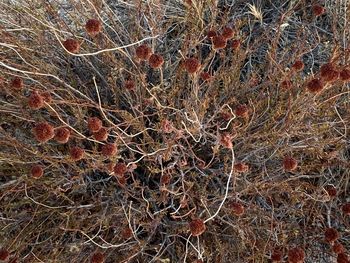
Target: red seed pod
[[101, 135], [242, 111], [16, 83], [338, 248], [315, 85], [129, 85], [228, 33], [289, 163], [120, 169], [277, 255], [94, 124], [109, 149], [46, 96], [192, 65], [143, 52], [318, 10], [331, 190], [155, 61], [35, 101], [71, 45], [226, 115], [122, 181], [76, 153], [329, 73], [298, 65], [126, 233], [345, 75], [346, 209], [97, 257], [93, 27], [241, 167], [62, 135], [206, 76], [211, 34], [37, 171], [331, 235], [342, 258], [236, 208], [219, 42], [296, 255], [286, 84], [4, 254], [226, 140], [43, 132], [236, 44], [197, 227]]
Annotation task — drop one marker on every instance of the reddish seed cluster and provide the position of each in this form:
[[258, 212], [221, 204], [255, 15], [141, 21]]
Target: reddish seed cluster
[[71, 45], [298, 65], [315, 85], [206, 76], [235, 45], [345, 74], [331, 235], [143, 52], [97, 257], [342, 258], [4, 254], [16, 83], [236, 208], [211, 34], [94, 124], [242, 111], [93, 27], [109, 149], [165, 179], [289, 163], [126, 233], [346, 209], [101, 135], [46, 96], [197, 227], [219, 42], [43, 132], [318, 10], [228, 33], [62, 135], [37, 171], [120, 169], [192, 65], [296, 255], [241, 167], [129, 85], [35, 101], [338, 248], [331, 190], [76, 153], [329, 73], [167, 126], [286, 84], [276, 255], [226, 140], [155, 61]]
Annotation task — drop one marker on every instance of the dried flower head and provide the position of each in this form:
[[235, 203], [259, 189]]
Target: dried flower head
[[94, 124], [211, 34], [242, 111], [296, 255], [331, 190], [129, 85], [286, 84], [342, 258], [62, 135], [289, 163], [236, 44], [101, 135], [192, 65], [236, 208], [329, 73], [4, 254], [331, 235], [126, 233], [93, 27], [338, 248], [46, 96], [346, 209], [219, 42], [120, 169], [35, 101], [16, 83], [345, 74], [315, 85], [197, 227], [226, 140], [37, 171], [241, 167], [143, 52], [76, 153], [318, 10], [155, 61], [206, 76], [228, 33], [109, 149], [298, 65], [43, 131], [71, 45], [97, 257], [277, 255]]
